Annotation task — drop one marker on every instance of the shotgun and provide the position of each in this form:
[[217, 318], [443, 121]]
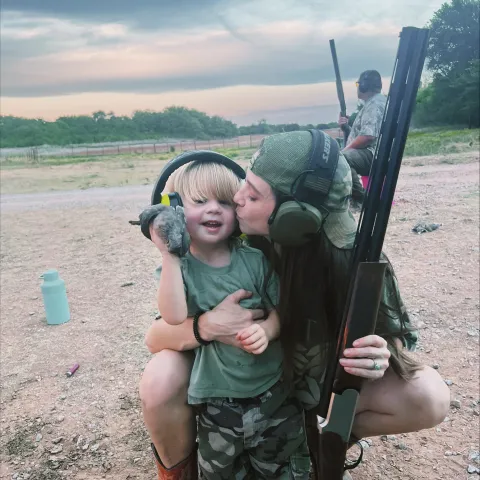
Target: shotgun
[[340, 95], [329, 435]]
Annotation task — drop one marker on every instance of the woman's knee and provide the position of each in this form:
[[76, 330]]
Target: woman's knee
[[165, 379], [430, 397]]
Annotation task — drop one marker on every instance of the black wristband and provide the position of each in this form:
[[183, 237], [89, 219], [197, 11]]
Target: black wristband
[[196, 333]]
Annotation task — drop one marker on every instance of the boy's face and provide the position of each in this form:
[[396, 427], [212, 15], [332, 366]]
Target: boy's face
[[208, 220]]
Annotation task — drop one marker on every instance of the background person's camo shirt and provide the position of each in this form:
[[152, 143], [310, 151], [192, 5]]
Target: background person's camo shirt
[[369, 120]]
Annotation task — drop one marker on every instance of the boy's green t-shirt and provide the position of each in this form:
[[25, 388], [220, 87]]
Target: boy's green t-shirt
[[221, 370]]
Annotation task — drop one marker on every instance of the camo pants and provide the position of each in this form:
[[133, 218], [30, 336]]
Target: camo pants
[[255, 438]]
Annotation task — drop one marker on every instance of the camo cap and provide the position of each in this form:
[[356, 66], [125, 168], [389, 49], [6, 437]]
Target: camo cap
[[279, 161]]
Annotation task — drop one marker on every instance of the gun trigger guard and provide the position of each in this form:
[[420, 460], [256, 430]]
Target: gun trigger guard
[[356, 463]]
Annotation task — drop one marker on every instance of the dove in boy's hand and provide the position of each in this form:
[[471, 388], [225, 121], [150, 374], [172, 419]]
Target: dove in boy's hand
[[170, 225]]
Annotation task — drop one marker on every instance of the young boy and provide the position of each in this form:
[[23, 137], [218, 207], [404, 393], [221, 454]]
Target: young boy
[[249, 424]]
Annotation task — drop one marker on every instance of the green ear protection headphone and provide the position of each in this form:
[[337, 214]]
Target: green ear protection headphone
[[295, 219], [369, 80]]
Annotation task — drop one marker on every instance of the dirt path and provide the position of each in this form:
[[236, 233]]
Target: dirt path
[[100, 172], [89, 426], [76, 198], [141, 193]]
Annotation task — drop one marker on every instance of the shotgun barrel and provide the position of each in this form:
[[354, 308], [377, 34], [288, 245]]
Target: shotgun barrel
[[340, 94], [334, 416]]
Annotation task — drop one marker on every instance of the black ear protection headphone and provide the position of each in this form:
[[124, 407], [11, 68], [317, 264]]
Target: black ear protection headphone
[[369, 81], [205, 156], [295, 220]]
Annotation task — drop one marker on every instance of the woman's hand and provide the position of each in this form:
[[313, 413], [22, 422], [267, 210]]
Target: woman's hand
[[368, 358], [228, 318]]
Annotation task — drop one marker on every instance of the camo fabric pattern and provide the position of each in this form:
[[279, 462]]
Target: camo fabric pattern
[[255, 438], [369, 120], [340, 225], [309, 370]]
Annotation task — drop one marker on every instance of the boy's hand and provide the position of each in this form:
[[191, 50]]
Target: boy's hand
[[158, 240], [253, 339]]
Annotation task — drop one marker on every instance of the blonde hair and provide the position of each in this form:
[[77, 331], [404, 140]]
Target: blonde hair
[[204, 180]]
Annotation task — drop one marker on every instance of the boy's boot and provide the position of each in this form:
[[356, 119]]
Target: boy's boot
[[187, 469]]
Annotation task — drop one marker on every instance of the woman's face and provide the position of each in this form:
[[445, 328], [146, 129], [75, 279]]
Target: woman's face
[[255, 203]]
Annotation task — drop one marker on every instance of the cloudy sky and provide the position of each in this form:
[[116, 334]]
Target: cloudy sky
[[244, 60]]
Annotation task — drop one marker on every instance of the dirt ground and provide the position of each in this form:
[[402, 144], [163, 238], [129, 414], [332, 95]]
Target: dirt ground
[[89, 426]]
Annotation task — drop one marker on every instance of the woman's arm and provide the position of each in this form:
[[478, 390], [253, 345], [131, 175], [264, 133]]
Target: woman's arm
[[362, 141], [172, 302], [220, 324], [161, 336], [228, 317]]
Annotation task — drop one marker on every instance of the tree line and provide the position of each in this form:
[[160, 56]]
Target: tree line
[[173, 122], [452, 95]]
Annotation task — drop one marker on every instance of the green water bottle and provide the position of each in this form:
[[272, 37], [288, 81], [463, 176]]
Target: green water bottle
[[55, 298]]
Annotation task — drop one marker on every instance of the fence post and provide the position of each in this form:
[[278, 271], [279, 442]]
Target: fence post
[[181, 146], [118, 149], [154, 148], [250, 140], [87, 151], [194, 144], [238, 142]]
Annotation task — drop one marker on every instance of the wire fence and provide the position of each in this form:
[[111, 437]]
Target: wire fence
[[35, 154]]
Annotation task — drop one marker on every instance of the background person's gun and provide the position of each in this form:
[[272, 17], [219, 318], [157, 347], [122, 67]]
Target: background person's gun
[[341, 96], [341, 390]]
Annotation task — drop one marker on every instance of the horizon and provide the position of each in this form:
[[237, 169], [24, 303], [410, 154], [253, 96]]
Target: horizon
[[264, 60]]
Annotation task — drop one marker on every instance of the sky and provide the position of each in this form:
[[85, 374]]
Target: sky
[[243, 60]]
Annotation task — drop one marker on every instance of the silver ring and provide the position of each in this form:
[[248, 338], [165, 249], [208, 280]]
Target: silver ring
[[375, 365]]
